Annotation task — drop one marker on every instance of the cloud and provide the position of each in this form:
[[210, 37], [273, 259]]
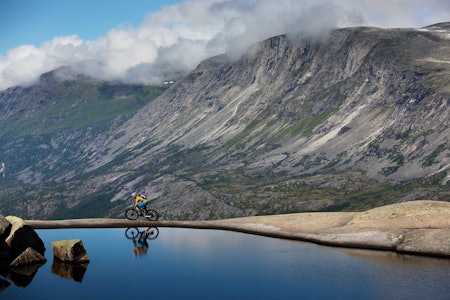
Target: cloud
[[177, 38]]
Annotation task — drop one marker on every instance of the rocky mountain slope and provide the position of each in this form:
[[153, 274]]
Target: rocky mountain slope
[[353, 119]]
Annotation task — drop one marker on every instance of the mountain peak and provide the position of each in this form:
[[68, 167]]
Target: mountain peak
[[64, 73], [438, 26]]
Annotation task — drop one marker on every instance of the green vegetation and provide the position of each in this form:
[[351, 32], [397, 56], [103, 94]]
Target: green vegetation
[[349, 191], [430, 159], [76, 105]]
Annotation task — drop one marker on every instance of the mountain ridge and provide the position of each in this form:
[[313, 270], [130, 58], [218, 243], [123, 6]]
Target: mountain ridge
[[353, 120]]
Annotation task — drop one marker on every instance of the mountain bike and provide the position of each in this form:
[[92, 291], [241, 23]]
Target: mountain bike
[[150, 233], [134, 213]]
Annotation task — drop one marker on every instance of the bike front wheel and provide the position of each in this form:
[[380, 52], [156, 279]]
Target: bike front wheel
[[131, 214], [151, 215], [132, 233]]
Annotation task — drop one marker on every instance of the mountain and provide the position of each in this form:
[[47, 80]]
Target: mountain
[[349, 120]]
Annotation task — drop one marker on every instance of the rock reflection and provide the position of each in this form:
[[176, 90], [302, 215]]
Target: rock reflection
[[19, 276], [392, 258], [141, 238], [70, 271], [4, 284]]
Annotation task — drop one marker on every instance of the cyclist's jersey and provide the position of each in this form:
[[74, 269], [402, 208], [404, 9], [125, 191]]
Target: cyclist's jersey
[[139, 198], [140, 248]]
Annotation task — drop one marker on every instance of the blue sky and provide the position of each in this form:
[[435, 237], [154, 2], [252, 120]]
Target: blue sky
[[149, 41], [36, 21]]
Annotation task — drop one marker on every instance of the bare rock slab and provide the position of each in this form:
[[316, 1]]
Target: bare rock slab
[[70, 251], [434, 242]]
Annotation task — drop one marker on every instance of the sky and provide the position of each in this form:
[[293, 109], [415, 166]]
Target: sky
[[149, 41]]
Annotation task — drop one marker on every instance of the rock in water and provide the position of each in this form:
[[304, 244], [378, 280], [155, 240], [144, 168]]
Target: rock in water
[[28, 257], [22, 236], [70, 251], [5, 227]]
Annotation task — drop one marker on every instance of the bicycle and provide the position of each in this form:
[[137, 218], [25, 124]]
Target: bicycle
[[134, 213], [150, 233]]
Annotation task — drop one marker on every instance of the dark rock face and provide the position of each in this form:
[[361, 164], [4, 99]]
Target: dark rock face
[[22, 237]]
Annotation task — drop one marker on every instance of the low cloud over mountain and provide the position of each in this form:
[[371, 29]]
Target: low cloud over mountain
[[177, 38]]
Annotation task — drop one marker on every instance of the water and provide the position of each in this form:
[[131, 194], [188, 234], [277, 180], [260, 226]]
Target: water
[[212, 264]]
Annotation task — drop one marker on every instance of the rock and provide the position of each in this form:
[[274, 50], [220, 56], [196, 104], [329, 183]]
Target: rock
[[419, 227], [21, 252], [5, 227], [434, 242], [21, 237], [28, 257], [70, 251]]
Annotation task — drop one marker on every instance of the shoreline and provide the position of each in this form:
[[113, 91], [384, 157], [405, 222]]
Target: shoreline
[[416, 227]]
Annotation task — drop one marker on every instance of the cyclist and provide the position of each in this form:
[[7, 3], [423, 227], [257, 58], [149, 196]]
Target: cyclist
[[140, 246], [140, 201]]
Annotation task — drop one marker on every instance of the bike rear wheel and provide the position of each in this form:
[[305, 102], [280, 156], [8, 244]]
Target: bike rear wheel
[[151, 233], [131, 214], [151, 215]]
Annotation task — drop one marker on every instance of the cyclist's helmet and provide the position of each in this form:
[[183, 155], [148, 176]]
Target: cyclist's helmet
[[133, 194]]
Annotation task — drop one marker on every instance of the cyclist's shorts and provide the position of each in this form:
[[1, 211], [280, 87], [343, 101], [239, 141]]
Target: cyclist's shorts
[[142, 204]]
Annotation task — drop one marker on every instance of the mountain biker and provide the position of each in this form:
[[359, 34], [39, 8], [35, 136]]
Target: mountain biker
[[140, 246], [140, 201]]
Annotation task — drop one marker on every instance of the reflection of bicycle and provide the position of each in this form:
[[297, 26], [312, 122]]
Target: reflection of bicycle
[[135, 212], [150, 233]]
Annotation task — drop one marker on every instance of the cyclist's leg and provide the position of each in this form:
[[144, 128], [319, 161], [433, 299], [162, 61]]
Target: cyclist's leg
[[144, 207]]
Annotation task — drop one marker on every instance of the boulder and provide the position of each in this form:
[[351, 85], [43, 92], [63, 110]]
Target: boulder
[[28, 257], [21, 237], [5, 228], [70, 251]]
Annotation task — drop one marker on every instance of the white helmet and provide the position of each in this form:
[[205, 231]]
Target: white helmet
[[133, 194]]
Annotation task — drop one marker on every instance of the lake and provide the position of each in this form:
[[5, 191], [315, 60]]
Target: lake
[[212, 264]]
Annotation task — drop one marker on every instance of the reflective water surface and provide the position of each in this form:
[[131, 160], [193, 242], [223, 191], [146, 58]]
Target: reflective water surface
[[175, 263]]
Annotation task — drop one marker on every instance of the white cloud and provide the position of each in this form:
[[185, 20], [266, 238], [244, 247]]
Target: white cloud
[[180, 36]]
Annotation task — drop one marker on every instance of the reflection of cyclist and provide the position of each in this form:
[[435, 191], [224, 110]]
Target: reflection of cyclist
[[140, 246], [139, 200]]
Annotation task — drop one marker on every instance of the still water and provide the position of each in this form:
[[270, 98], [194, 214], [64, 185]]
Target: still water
[[211, 264]]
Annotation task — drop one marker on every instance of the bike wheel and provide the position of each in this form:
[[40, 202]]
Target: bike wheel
[[132, 233], [151, 215], [151, 233], [131, 214]]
